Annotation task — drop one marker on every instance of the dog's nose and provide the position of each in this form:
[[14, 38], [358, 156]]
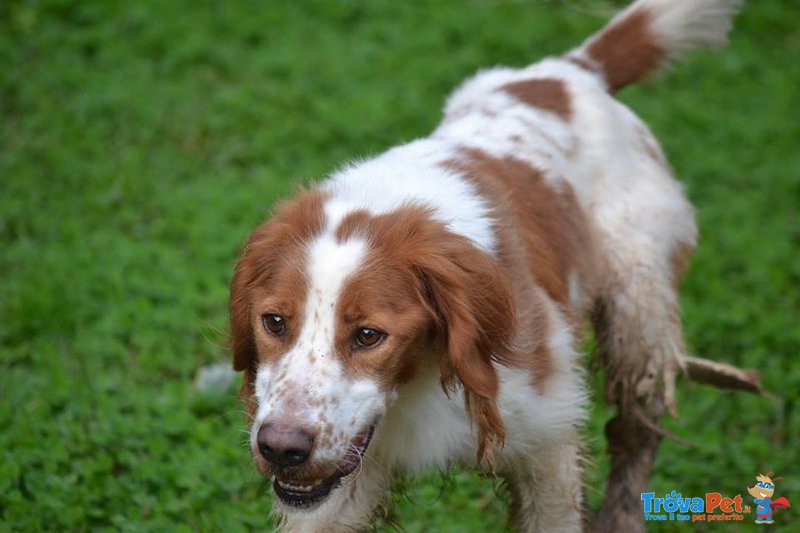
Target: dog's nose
[[283, 445]]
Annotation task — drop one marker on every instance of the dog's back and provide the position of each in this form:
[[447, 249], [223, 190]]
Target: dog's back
[[559, 115]]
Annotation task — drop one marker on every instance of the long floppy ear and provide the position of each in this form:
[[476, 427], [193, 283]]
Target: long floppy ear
[[292, 225], [473, 306], [255, 265], [242, 342]]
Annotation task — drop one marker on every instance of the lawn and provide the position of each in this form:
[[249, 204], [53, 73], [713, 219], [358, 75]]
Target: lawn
[[141, 141]]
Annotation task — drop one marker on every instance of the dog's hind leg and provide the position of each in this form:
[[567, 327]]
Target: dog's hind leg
[[638, 328], [632, 447], [641, 348]]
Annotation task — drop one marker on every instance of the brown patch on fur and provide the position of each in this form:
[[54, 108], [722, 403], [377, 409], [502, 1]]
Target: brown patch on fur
[[541, 366], [382, 296], [582, 63], [554, 230], [434, 292], [267, 276], [352, 223], [545, 93], [627, 50], [679, 262], [543, 236]]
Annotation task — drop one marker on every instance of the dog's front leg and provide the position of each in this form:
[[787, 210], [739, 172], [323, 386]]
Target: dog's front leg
[[546, 489]]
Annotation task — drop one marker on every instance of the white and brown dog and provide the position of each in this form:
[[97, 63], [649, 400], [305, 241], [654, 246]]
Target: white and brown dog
[[423, 307]]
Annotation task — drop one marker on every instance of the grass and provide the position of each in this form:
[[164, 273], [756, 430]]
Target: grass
[[141, 141]]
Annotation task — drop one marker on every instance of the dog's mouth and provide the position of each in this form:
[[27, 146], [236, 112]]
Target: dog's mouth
[[306, 494]]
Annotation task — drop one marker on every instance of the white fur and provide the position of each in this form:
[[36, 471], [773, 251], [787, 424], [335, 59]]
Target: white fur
[[686, 24], [679, 25], [308, 386], [532, 135], [412, 174]]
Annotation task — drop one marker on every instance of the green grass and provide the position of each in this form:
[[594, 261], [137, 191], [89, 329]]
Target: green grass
[[141, 141]]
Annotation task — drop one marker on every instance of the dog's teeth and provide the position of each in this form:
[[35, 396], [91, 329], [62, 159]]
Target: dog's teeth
[[299, 488]]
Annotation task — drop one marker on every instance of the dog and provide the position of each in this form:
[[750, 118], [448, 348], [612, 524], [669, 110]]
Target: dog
[[425, 307]]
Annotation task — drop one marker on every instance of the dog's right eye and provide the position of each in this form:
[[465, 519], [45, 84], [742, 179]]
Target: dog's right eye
[[367, 338], [274, 324]]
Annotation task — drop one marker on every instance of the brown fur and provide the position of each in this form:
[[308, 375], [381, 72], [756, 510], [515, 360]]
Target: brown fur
[[632, 447], [435, 291], [554, 229], [679, 262], [383, 298], [270, 260], [543, 237], [627, 50], [583, 63], [466, 298], [545, 93]]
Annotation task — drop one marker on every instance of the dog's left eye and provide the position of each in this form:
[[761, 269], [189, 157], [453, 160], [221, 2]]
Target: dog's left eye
[[275, 324], [367, 338]]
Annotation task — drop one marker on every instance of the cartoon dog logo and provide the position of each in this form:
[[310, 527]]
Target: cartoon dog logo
[[762, 491]]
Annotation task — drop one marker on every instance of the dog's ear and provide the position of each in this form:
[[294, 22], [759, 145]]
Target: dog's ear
[[256, 265], [473, 308], [242, 341], [257, 261], [293, 224]]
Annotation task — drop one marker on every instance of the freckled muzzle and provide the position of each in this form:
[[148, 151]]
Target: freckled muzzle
[[296, 489]]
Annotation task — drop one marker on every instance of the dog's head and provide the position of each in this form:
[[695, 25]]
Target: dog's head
[[332, 312]]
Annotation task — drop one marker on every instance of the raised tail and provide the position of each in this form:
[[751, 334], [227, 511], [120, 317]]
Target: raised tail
[[648, 34]]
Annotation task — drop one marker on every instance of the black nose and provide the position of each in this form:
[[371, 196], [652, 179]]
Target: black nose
[[283, 445]]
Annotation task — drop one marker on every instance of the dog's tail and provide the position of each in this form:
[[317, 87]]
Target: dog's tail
[[648, 34]]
